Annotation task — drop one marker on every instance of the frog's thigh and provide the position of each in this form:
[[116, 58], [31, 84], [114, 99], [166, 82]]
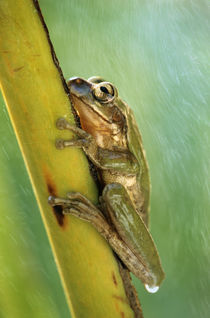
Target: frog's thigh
[[118, 203], [124, 216]]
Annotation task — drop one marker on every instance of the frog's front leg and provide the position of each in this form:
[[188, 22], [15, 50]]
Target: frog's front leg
[[78, 205], [83, 139], [105, 159]]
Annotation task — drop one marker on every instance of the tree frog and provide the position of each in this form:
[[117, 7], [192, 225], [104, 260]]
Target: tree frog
[[111, 139]]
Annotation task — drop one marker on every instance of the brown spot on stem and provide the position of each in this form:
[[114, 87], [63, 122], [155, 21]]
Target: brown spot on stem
[[121, 299], [58, 210], [114, 279], [122, 314], [17, 69], [51, 187]]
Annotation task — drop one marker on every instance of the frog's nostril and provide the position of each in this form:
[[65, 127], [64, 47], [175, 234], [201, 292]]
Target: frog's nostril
[[75, 80], [78, 81]]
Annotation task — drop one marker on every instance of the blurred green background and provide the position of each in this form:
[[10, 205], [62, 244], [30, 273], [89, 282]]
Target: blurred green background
[[157, 54]]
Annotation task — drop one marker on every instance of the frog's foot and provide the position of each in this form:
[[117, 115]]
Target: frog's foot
[[83, 140], [81, 207], [63, 124]]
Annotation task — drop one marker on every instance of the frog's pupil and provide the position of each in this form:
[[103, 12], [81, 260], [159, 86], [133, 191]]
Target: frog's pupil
[[104, 89]]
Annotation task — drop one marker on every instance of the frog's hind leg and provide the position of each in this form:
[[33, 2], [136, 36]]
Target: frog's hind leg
[[78, 205], [133, 231]]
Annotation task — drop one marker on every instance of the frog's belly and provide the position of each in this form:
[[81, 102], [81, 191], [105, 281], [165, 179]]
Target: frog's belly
[[125, 180], [130, 184]]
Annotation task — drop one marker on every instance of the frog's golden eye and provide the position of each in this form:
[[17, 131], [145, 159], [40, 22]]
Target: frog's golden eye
[[104, 92]]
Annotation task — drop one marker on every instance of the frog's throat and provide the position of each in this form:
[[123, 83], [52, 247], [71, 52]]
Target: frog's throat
[[91, 108]]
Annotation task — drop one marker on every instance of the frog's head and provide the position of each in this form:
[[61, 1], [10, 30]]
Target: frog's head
[[96, 102]]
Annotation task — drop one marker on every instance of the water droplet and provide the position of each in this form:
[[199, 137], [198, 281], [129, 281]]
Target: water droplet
[[151, 289]]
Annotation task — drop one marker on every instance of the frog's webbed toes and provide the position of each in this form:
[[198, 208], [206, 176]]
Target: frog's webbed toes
[[85, 212], [70, 205], [78, 205], [80, 197], [53, 201], [84, 203]]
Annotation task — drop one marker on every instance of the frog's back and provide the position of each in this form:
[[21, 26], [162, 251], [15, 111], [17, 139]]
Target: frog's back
[[136, 147]]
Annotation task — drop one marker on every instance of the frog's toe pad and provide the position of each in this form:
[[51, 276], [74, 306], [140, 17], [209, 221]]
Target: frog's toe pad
[[59, 144], [61, 123], [52, 200]]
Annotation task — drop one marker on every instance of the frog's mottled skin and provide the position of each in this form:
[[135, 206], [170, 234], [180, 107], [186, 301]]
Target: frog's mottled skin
[[140, 190], [111, 139]]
